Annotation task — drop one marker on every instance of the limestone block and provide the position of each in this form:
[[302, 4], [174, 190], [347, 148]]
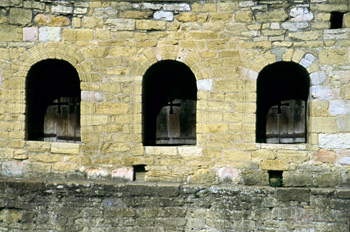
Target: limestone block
[[346, 20], [44, 158], [243, 16], [205, 84], [126, 173], [30, 34], [324, 156], [148, 6], [80, 10], [319, 108], [317, 78], [339, 107], [186, 17], [324, 93], [96, 52], [203, 7], [253, 177], [137, 161], [122, 51], [301, 14], [65, 148], [135, 14], [263, 154], [92, 22], [292, 156], [276, 15], [323, 124], [20, 16], [221, 17], [190, 151], [84, 35], [49, 34], [10, 33], [112, 108], [60, 9], [229, 175], [203, 176], [95, 173], [163, 15], [51, 20], [177, 7], [115, 147], [212, 128], [332, 56], [237, 155], [306, 35], [334, 141], [12, 168], [150, 25], [121, 24], [343, 124], [236, 85], [274, 165], [292, 178], [343, 157], [327, 179], [154, 151]]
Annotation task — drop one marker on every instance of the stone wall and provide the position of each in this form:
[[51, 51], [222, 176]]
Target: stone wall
[[226, 44], [93, 206]]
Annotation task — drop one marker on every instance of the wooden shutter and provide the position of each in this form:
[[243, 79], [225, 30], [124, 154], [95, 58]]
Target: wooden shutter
[[176, 123], [62, 120], [285, 122]]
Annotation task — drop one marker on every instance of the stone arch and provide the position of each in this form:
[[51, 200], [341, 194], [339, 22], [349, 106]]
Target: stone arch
[[52, 50], [152, 55]]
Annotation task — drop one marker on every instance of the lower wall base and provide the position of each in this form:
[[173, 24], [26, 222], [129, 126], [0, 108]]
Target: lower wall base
[[99, 206]]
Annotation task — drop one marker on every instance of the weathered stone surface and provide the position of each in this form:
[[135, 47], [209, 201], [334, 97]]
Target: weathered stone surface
[[51, 20], [20, 16], [278, 15], [324, 156]]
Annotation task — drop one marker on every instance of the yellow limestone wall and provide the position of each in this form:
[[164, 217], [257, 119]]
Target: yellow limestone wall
[[226, 44]]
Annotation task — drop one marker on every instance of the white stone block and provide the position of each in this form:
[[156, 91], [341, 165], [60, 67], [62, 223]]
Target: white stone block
[[344, 161], [246, 3], [339, 107], [62, 9], [126, 173], [301, 14], [294, 26], [49, 34], [227, 174], [317, 78], [91, 96], [177, 7], [334, 141], [324, 93], [163, 15], [205, 84]]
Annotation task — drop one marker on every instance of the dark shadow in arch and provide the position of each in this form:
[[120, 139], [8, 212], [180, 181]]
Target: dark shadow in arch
[[163, 82], [278, 82], [46, 81]]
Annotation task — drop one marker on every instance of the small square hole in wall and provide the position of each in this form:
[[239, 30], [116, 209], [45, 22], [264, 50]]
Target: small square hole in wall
[[336, 20], [139, 172], [276, 178]]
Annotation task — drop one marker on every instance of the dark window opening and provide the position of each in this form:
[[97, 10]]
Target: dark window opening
[[169, 96], [282, 93], [53, 102], [139, 172], [336, 20], [275, 178]]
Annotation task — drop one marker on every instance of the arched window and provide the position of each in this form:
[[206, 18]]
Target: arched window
[[169, 96], [53, 102], [282, 93]]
